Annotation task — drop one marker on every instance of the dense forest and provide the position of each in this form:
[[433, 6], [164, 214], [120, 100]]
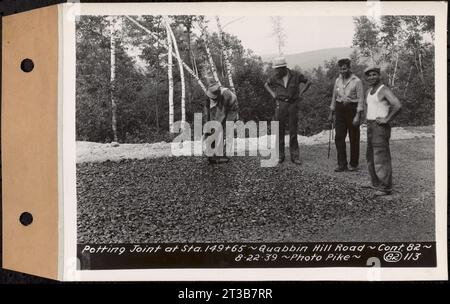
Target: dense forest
[[130, 87]]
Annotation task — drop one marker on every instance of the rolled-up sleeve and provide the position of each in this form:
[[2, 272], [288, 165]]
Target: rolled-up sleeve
[[360, 95]]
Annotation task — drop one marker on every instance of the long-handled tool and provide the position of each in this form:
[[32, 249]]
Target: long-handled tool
[[329, 140]]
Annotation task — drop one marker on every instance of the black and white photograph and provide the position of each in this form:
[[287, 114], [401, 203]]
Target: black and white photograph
[[248, 139]]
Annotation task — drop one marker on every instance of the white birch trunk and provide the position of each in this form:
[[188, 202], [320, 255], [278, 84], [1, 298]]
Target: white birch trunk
[[112, 80], [395, 71], [170, 77], [225, 56], [419, 70], [180, 65], [195, 64], [186, 67], [422, 77], [407, 81], [208, 53]]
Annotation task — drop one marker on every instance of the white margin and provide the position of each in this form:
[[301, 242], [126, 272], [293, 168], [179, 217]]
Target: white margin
[[438, 9]]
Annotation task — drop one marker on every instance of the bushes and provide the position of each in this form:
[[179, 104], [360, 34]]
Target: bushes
[[142, 94]]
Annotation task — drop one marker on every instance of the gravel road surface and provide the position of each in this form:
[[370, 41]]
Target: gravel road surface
[[184, 199]]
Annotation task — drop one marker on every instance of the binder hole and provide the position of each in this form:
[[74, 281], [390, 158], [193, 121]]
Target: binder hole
[[26, 218], [27, 65]]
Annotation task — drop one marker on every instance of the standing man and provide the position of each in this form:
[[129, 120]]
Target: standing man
[[284, 87], [221, 105], [347, 103], [382, 107]]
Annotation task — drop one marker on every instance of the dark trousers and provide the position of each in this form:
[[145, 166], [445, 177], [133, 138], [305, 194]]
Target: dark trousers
[[288, 113], [379, 155], [222, 116], [344, 124]]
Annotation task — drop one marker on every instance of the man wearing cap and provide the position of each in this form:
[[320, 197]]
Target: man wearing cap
[[347, 103], [284, 87], [382, 106], [221, 105]]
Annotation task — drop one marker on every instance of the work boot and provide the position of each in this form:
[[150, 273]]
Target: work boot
[[340, 169], [382, 192], [369, 186], [296, 161], [217, 160]]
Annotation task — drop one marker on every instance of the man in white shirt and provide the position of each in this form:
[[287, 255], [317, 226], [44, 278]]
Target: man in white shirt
[[382, 106]]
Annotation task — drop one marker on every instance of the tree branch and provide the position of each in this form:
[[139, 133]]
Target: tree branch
[[187, 68]]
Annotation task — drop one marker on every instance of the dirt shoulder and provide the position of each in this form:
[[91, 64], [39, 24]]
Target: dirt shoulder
[[98, 152]]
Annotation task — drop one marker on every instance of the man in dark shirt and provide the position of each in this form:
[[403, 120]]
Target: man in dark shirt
[[347, 104], [221, 106], [284, 87]]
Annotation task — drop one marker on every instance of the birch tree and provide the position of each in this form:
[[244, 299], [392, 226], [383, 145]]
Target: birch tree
[[391, 39], [414, 26], [225, 55], [399, 44], [366, 37], [113, 27], [407, 81], [165, 45], [170, 79], [180, 65], [187, 21], [205, 38]]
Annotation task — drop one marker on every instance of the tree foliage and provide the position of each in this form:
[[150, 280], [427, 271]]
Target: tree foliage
[[402, 45]]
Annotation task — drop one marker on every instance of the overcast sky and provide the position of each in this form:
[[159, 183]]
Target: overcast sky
[[304, 33]]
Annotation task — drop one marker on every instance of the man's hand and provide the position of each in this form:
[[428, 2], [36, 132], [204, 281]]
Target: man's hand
[[381, 121], [356, 120], [346, 100], [331, 116]]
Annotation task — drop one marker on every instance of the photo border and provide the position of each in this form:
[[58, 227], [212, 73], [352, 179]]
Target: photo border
[[67, 143]]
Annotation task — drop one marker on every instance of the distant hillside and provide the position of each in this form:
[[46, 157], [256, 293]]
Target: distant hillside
[[312, 59]]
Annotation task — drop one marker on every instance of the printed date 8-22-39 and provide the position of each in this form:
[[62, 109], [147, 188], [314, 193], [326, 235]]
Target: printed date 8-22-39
[[256, 257]]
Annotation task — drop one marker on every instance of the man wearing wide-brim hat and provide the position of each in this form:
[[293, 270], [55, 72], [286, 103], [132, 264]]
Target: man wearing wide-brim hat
[[347, 104], [382, 106], [221, 106], [284, 87]]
